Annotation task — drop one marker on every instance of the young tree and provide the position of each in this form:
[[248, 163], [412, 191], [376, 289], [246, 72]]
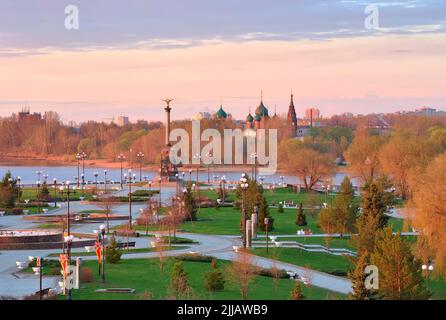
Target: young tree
[[214, 280], [179, 282], [112, 253], [8, 191], [301, 218], [44, 193], [241, 272], [107, 205], [190, 206], [358, 278], [376, 198], [399, 272], [297, 294], [326, 220]]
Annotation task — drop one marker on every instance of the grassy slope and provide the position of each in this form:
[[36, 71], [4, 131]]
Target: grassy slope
[[144, 275]]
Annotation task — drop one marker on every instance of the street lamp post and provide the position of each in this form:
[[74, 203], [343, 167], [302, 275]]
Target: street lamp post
[[39, 264], [78, 158], [190, 175], [159, 182], [121, 158], [96, 174], [182, 184], [69, 240], [83, 183], [254, 166], [38, 196], [244, 185], [55, 192], [266, 221], [102, 230], [84, 156], [105, 181], [39, 173], [223, 191], [140, 157], [427, 269], [19, 179]]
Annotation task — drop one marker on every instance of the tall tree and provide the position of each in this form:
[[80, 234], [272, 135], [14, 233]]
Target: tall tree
[[403, 156], [308, 161], [358, 278], [376, 198], [429, 212], [400, 275], [363, 154]]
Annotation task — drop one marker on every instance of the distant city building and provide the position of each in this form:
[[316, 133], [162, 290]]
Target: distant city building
[[291, 117], [311, 115], [202, 116], [122, 121], [26, 114]]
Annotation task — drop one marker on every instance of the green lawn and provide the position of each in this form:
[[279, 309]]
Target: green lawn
[[313, 260], [145, 276], [31, 194], [334, 264], [124, 251], [278, 195]]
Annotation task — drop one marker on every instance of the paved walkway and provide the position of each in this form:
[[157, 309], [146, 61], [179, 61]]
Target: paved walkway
[[219, 246]]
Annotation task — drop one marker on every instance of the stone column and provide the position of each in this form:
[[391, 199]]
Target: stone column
[[167, 109], [248, 233], [254, 225]]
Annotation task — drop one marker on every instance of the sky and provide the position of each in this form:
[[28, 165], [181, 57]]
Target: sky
[[128, 55]]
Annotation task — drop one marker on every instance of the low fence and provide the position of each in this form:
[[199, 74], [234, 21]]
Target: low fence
[[306, 247]]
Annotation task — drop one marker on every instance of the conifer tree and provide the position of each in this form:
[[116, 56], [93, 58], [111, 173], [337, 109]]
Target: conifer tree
[[400, 275], [301, 218], [358, 278]]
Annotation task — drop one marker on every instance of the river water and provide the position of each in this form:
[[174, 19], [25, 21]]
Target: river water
[[28, 173]]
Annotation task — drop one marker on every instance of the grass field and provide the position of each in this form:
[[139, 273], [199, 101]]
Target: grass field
[[31, 194], [124, 251], [313, 260], [145, 276], [333, 264]]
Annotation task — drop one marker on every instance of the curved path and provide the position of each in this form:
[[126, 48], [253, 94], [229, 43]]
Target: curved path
[[14, 284]]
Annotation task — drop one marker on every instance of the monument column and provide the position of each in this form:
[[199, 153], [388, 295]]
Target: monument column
[[167, 109]]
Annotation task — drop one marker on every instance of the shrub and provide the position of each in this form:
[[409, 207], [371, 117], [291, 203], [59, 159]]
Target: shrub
[[113, 254], [194, 257], [86, 275], [280, 208], [179, 280], [297, 294], [301, 219], [281, 274], [214, 279]]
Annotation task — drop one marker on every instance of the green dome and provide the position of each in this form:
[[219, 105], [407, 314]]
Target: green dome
[[261, 110], [249, 118], [221, 114], [258, 117]]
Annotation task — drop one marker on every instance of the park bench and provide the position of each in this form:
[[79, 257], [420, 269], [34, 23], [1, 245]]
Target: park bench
[[122, 245], [117, 290]]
